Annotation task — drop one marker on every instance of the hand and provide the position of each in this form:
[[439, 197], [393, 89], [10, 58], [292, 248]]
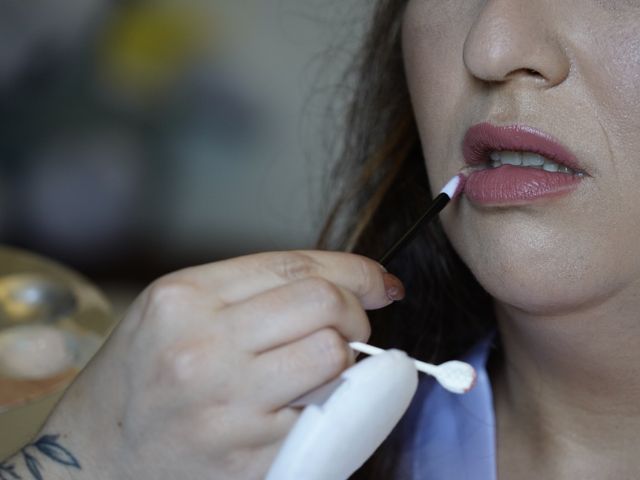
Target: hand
[[196, 380]]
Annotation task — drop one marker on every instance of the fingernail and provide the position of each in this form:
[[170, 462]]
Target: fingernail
[[393, 287]]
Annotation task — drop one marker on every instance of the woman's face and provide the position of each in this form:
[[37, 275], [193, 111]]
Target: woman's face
[[537, 239]]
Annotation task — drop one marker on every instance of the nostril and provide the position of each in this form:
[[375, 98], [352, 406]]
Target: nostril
[[528, 72]]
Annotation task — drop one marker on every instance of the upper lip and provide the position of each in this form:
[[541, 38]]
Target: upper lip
[[484, 138]]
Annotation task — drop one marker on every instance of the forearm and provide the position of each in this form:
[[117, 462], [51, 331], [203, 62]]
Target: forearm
[[74, 443], [45, 458]]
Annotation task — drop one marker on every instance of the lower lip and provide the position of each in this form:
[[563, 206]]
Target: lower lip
[[511, 185]]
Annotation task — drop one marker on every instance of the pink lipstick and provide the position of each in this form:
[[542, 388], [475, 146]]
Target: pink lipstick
[[516, 165]]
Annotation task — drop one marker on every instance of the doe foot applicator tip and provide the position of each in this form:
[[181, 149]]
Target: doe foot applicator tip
[[455, 186]]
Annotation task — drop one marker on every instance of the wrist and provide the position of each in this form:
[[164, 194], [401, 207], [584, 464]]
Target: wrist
[[46, 458], [75, 442]]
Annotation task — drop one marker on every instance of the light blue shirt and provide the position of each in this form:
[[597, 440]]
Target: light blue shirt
[[445, 436]]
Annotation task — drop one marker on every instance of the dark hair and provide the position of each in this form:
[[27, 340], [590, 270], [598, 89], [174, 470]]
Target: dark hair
[[384, 187]]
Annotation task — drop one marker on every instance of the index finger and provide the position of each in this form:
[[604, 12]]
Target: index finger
[[241, 278]]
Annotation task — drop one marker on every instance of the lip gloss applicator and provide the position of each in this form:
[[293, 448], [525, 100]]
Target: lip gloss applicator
[[455, 376], [451, 190]]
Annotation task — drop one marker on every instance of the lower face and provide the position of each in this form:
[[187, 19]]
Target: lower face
[[542, 238]]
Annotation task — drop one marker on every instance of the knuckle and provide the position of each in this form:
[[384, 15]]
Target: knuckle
[[365, 278], [166, 296], [170, 287], [326, 295], [176, 365], [293, 265], [186, 364], [333, 351]]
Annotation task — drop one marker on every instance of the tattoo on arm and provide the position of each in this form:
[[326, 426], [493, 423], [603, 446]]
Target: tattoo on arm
[[46, 447]]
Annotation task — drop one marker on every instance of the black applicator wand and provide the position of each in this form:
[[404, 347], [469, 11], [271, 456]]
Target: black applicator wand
[[455, 376], [450, 191]]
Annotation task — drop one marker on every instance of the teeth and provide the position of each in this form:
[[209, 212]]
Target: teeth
[[527, 159], [532, 160], [511, 158]]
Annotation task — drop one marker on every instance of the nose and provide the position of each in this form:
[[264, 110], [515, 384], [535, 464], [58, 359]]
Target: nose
[[515, 40]]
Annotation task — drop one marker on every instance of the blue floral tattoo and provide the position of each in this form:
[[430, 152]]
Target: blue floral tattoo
[[46, 446]]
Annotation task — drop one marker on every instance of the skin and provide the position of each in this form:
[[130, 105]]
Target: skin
[[197, 379], [564, 272], [185, 389]]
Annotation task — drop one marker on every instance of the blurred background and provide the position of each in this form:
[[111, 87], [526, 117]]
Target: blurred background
[[142, 136]]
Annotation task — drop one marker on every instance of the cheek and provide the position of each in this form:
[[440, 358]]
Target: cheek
[[433, 42], [548, 263], [609, 58]]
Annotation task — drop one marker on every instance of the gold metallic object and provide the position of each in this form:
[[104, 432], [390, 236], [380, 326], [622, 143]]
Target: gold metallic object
[[34, 298], [38, 291]]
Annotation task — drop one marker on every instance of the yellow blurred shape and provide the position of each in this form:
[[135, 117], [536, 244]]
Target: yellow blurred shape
[[148, 46]]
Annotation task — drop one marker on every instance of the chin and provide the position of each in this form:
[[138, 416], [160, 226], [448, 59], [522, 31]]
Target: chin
[[535, 276], [548, 296], [555, 287]]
